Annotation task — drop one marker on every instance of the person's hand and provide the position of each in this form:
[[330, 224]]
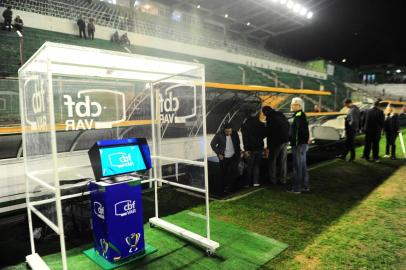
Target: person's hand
[[266, 153], [246, 154], [221, 157]]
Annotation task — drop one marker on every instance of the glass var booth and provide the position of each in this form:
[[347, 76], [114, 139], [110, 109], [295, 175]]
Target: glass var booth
[[71, 93]]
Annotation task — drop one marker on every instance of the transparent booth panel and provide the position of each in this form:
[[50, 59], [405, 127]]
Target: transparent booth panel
[[180, 130]]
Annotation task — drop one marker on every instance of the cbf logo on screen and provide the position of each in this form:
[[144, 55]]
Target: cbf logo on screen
[[120, 160], [94, 108], [98, 209], [170, 104], [125, 208]]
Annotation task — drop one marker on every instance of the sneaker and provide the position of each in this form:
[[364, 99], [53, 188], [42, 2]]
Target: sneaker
[[306, 189], [257, 185], [377, 161], [293, 191], [386, 156]]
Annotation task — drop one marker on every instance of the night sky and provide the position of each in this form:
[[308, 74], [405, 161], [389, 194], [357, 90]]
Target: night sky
[[362, 31]]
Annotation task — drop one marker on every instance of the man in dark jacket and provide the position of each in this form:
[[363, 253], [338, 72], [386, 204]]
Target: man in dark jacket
[[253, 133], [8, 17], [351, 128], [391, 128], [91, 28], [299, 138], [82, 27], [374, 121], [277, 133], [226, 145]]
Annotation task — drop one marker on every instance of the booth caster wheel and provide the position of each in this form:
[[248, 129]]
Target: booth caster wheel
[[209, 253]]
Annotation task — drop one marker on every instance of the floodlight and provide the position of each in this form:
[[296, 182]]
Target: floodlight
[[198, 6], [147, 6], [248, 23], [290, 4], [226, 15], [309, 15], [303, 11], [297, 8], [398, 71], [344, 60]]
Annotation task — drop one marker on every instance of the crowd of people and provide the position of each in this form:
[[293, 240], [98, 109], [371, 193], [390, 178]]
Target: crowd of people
[[8, 21], [91, 28], [123, 40], [280, 132]]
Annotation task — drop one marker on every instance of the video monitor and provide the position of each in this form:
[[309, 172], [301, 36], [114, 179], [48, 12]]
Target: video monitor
[[117, 157]]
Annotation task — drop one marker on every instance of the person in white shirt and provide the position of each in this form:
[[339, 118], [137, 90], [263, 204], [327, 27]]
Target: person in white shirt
[[226, 145]]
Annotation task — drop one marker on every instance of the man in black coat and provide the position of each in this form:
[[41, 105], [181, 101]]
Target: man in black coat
[[8, 17], [374, 121], [82, 27], [253, 134], [299, 139], [226, 145], [391, 128], [277, 134], [352, 121]]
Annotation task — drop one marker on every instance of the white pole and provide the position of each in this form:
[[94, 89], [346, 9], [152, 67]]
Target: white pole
[[55, 163], [402, 144], [27, 185], [154, 168], [206, 172]]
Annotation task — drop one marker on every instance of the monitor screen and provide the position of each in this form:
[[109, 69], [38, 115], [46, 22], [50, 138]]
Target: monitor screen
[[121, 160]]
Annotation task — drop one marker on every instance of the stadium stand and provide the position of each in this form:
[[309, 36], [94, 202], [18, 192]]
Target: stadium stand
[[383, 91], [140, 22], [117, 17]]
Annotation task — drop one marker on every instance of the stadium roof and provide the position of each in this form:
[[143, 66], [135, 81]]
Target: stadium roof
[[257, 19]]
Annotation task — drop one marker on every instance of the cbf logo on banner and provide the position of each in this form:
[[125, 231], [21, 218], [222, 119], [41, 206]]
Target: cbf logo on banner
[[8, 100], [173, 105], [98, 108], [36, 114]]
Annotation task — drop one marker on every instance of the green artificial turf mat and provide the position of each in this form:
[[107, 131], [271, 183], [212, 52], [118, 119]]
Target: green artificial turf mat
[[106, 265], [239, 248]]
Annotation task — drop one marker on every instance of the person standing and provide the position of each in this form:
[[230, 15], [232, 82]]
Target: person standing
[[351, 128], [277, 134], [391, 129], [82, 27], [299, 139], [226, 145], [253, 133], [374, 120], [8, 17], [91, 28]]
